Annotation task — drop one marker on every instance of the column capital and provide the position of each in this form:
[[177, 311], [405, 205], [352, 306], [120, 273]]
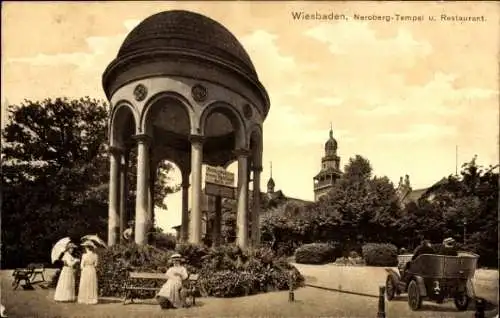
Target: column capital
[[242, 152], [143, 138], [185, 184], [196, 139]]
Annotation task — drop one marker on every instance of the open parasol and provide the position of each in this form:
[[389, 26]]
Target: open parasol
[[94, 239], [59, 248]]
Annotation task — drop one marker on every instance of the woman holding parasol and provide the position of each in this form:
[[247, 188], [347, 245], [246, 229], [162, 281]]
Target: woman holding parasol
[[65, 289]]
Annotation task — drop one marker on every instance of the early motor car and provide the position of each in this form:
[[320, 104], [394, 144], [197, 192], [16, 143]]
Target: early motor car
[[433, 277]]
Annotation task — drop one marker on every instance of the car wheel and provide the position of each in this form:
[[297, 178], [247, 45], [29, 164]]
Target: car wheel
[[390, 288], [461, 301], [414, 297]]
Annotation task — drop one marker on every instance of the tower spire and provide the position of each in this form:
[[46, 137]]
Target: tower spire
[[271, 164], [331, 130]]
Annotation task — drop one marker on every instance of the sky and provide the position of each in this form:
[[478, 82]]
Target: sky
[[403, 94]]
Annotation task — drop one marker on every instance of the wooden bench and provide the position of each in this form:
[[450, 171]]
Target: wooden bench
[[130, 287], [27, 275]]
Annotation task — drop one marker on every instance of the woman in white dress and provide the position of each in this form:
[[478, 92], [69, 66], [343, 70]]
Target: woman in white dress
[[170, 294], [65, 289], [87, 291]]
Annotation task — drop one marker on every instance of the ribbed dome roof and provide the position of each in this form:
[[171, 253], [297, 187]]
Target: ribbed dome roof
[[270, 183], [331, 144], [190, 32]]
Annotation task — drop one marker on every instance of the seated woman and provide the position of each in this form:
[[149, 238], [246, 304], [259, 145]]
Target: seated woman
[[171, 294]]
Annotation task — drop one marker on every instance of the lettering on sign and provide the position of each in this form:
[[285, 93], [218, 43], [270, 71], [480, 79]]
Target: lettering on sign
[[220, 176], [218, 190]]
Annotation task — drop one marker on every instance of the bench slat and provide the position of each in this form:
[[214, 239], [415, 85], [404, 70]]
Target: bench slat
[[148, 275], [141, 288], [144, 275]]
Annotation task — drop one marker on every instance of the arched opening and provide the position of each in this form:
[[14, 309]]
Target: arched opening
[[167, 121], [123, 126], [224, 131], [168, 207]]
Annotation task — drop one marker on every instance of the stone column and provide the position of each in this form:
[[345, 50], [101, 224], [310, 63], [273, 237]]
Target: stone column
[[217, 222], [151, 197], [142, 191], [123, 194], [242, 213], [114, 195], [256, 206], [185, 208], [196, 162]]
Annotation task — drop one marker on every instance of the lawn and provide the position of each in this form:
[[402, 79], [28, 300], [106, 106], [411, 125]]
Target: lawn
[[310, 302]]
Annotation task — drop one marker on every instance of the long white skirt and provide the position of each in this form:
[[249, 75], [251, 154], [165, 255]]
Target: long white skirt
[[65, 289], [172, 291], [88, 292]]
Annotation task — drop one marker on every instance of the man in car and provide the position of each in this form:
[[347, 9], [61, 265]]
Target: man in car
[[449, 247], [424, 248]]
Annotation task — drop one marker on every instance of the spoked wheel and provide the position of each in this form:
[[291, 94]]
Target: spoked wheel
[[462, 301], [414, 297], [390, 288]]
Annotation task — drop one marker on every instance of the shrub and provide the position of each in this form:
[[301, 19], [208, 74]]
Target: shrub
[[192, 253], [376, 254], [315, 253], [116, 261], [165, 241], [229, 272], [228, 283], [226, 271]]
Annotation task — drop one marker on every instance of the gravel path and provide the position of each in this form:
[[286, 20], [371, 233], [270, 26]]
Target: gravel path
[[310, 302]]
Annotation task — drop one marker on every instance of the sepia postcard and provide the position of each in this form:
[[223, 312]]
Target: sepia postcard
[[250, 159]]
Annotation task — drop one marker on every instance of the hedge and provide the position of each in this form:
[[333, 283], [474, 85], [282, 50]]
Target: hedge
[[377, 254], [226, 271], [315, 253]]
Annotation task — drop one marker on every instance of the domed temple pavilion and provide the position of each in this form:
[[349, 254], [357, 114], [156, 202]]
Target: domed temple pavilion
[[183, 89]]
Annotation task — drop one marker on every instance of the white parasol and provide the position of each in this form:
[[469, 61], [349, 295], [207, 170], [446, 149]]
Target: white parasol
[[94, 239], [59, 248]]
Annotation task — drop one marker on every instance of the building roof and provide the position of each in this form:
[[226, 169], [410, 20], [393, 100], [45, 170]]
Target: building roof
[[189, 31], [186, 38], [328, 171], [415, 195]]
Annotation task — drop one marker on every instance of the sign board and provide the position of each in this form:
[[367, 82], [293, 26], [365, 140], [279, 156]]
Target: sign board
[[220, 176], [218, 190]]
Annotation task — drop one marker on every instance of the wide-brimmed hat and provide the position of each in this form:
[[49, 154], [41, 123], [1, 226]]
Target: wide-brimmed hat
[[448, 241], [88, 244], [70, 245], [176, 256]]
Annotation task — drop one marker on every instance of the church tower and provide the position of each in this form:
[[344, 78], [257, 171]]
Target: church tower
[[330, 170], [270, 183]]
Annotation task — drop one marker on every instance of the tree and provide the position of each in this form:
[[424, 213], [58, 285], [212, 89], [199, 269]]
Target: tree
[[358, 169], [460, 205], [368, 206], [55, 174]]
